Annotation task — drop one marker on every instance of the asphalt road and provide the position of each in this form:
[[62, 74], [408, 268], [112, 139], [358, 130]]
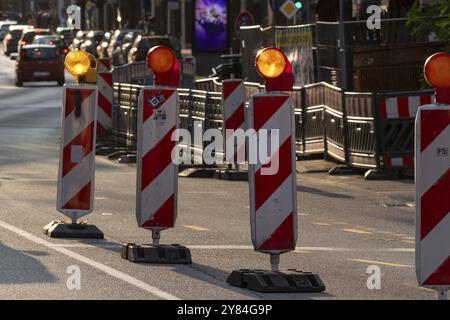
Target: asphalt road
[[346, 224]]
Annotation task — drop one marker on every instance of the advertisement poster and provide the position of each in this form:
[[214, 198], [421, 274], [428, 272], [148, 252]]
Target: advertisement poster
[[297, 44], [211, 27]]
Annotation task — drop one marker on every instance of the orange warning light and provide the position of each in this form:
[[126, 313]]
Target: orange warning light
[[437, 70], [271, 63], [161, 59]]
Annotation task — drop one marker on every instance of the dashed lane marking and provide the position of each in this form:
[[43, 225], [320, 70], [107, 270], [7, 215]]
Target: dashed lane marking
[[197, 228], [382, 263], [418, 287], [321, 224], [356, 231], [97, 265]]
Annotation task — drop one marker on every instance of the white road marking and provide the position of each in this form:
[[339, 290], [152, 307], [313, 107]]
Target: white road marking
[[104, 268]]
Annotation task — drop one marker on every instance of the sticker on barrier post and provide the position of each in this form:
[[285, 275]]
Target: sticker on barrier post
[[433, 181], [273, 183], [76, 176], [157, 174]]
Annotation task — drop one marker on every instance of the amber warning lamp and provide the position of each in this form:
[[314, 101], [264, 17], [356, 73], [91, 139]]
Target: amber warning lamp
[[273, 65], [437, 74], [164, 64], [82, 65]]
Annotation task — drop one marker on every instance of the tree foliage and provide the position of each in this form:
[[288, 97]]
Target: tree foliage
[[432, 16]]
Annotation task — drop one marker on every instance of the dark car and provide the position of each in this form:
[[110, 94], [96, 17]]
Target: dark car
[[56, 41], [67, 33], [11, 41], [103, 45], [91, 41], [28, 36], [39, 63], [117, 40], [143, 44], [4, 28]]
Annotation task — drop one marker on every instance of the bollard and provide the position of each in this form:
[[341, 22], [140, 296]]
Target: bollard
[[157, 174], [105, 97], [433, 181], [76, 175], [233, 96], [273, 195]]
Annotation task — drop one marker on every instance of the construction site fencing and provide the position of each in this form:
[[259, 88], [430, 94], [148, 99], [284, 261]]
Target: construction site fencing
[[361, 130]]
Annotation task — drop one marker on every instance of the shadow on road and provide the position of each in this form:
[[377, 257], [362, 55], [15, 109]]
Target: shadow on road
[[218, 277], [323, 193], [210, 275], [18, 267]]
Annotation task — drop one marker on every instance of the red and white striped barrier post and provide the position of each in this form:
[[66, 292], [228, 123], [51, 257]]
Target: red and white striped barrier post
[[105, 97], [76, 176], [433, 181], [273, 193], [233, 96], [157, 174]]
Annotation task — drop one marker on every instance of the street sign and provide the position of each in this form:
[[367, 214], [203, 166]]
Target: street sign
[[273, 180], [433, 181], [157, 172], [76, 176], [105, 97], [289, 9], [233, 94], [77, 163], [273, 197], [244, 19]]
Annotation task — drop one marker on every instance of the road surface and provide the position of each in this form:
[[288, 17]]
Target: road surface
[[347, 224]]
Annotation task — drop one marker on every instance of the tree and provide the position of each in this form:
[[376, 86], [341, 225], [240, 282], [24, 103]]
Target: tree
[[431, 17]]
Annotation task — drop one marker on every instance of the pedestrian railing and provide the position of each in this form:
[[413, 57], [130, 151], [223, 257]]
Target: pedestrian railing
[[362, 130]]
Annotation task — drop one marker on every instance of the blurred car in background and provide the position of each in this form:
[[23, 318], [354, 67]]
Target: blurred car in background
[[11, 15], [4, 28], [78, 40], [91, 41], [143, 44], [120, 55], [57, 41], [28, 36], [67, 33], [39, 63], [117, 40], [103, 45], [11, 40]]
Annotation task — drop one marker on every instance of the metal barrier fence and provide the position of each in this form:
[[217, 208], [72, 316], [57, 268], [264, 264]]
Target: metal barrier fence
[[362, 130], [135, 73]]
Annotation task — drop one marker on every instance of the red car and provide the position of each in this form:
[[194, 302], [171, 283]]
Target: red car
[[39, 63]]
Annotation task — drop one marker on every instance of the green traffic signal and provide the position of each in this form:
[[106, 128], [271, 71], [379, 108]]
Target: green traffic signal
[[298, 4]]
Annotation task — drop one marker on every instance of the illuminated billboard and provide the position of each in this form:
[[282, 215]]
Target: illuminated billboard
[[211, 26]]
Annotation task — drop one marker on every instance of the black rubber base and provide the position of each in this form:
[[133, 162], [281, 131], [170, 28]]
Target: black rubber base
[[345, 170], [128, 159], [63, 230], [231, 175], [373, 175], [162, 254], [106, 151], [199, 172], [276, 282]]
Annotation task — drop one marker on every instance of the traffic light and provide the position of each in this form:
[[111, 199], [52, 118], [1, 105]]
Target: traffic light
[[298, 5]]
